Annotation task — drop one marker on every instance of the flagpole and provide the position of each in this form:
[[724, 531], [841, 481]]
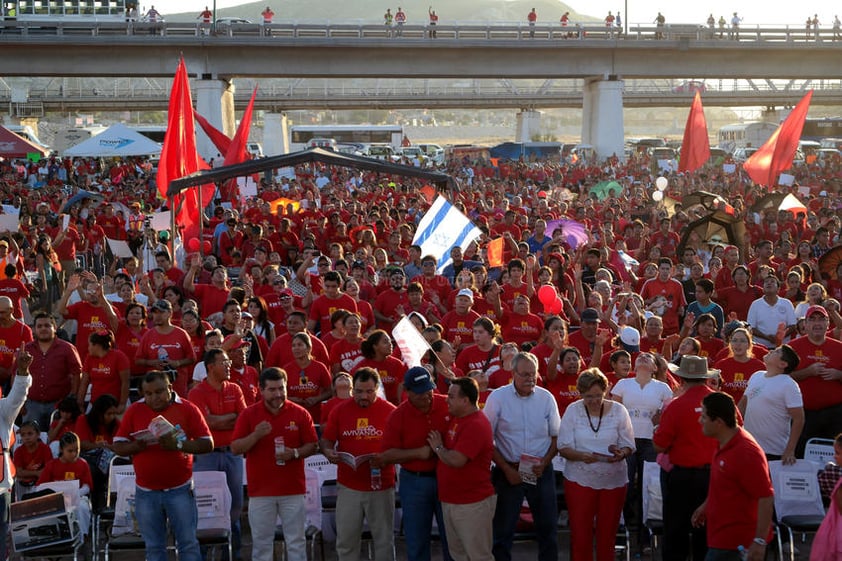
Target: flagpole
[[172, 227], [201, 220]]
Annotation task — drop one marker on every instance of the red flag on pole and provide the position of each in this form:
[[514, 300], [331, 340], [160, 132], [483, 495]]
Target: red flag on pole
[[695, 148], [237, 152], [765, 166], [179, 156], [222, 142]]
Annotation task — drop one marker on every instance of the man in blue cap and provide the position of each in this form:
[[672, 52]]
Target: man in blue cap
[[405, 443]]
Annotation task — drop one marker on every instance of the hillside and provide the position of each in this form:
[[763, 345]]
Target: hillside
[[371, 11]]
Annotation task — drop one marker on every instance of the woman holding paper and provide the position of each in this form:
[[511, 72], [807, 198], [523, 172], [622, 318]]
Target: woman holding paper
[[595, 438]]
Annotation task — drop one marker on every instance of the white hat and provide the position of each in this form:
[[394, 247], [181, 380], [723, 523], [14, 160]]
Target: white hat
[[467, 292], [630, 338]]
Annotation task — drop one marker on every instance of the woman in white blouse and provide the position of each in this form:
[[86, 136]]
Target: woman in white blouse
[[644, 398], [595, 438]]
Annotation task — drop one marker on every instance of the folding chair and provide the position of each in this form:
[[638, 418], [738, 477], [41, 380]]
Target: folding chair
[[213, 500], [124, 534], [819, 450], [118, 468], [798, 502]]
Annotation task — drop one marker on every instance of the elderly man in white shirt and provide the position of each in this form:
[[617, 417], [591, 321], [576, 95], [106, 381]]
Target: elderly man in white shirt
[[525, 422]]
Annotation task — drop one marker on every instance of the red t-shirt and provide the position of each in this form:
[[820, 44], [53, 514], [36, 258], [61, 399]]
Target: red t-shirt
[[83, 430], [474, 358], [673, 292], [280, 352], [210, 298], [105, 373], [386, 303], [735, 375], [89, 318], [24, 459], [323, 307], [510, 293], [471, 436], [564, 390], [733, 300], [459, 325], [15, 290], [391, 372], [407, 427], [57, 470], [10, 341], [311, 381], [178, 346], [210, 401], [520, 328], [359, 430], [148, 462], [739, 477], [265, 477], [817, 392], [346, 354], [249, 381], [710, 348], [680, 432]]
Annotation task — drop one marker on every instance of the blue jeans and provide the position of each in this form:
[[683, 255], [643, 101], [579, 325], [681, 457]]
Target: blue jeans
[[419, 503], [233, 467], [178, 506], [5, 501], [542, 502]]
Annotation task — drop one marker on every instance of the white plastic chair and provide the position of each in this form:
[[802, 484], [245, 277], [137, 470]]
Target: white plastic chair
[[213, 501], [798, 501], [819, 450]]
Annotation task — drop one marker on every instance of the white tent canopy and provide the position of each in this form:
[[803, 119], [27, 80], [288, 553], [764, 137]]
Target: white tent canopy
[[114, 142]]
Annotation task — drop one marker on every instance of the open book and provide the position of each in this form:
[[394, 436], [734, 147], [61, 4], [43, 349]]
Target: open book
[[158, 427], [354, 461]]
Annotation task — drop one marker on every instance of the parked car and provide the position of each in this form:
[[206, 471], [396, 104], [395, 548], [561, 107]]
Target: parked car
[[690, 86], [743, 154]]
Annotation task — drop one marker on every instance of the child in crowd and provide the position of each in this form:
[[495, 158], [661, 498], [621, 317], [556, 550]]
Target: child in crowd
[[69, 411], [67, 467], [30, 457]]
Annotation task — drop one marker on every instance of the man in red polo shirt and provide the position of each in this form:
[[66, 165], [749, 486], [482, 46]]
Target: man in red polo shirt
[[459, 322], [405, 442], [690, 453], [464, 475], [355, 430], [164, 466], [738, 510], [277, 484], [221, 402]]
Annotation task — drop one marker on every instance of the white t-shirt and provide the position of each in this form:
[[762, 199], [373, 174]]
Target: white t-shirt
[[642, 403], [767, 401]]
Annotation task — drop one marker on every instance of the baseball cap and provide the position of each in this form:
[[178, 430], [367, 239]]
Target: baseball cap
[[816, 310], [589, 314], [234, 342], [162, 305], [286, 292], [630, 339], [417, 380], [467, 292]]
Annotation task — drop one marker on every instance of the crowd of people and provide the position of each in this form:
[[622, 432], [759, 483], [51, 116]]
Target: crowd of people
[[272, 337]]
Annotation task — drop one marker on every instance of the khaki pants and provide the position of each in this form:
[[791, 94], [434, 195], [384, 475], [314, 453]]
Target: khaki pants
[[375, 507], [468, 527]]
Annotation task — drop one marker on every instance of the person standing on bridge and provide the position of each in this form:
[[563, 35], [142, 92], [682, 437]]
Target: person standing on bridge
[[711, 25], [735, 27], [205, 16], [387, 21], [722, 24], [609, 25], [816, 26], [152, 16], [531, 18], [400, 19], [434, 19], [267, 14], [659, 24], [836, 25]]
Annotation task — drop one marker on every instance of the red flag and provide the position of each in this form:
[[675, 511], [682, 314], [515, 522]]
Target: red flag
[[495, 253], [237, 152], [222, 142], [179, 156], [765, 166], [695, 148]]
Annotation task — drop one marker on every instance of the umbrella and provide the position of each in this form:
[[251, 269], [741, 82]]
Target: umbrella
[[704, 198], [574, 232], [768, 201], [603, 189], [716, 226], [79, 197], [830, 261]]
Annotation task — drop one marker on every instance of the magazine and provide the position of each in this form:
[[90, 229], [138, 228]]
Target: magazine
[[527, 462], [354, 461]]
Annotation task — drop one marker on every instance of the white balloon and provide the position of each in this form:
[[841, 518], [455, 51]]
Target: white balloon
[[658, 196], [661, 183]]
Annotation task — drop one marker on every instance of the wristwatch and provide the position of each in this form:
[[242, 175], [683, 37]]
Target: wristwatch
[[760, 541], [295, 453]]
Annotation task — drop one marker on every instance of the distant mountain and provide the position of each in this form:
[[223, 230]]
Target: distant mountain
[[371, 11]]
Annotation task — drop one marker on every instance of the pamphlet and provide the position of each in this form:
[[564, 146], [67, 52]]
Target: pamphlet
[[527, 462], [354, 461], [158, 427]]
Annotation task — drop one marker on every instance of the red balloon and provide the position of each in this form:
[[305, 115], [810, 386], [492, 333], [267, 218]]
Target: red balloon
[[206, 247], [193, 244], [555, 307], [547, 295]]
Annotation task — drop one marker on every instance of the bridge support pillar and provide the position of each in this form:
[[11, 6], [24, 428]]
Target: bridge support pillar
[[214, 102], [528, 123], [602, 116], [275, 134]]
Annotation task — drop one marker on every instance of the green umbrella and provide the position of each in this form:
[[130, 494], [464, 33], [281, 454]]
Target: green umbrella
[[603, 189]]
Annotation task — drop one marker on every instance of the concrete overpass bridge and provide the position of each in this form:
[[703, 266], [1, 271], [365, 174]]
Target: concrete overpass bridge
[[602, 64]]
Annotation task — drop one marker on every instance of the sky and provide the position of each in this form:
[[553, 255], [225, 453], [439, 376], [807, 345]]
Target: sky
[[753, 12]]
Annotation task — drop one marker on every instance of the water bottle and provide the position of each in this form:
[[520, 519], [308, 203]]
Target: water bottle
[[280, 448], [376, 481], [742, 552], [163, 355]]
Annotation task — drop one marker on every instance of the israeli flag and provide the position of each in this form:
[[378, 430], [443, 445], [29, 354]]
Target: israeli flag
[[442, 228]]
